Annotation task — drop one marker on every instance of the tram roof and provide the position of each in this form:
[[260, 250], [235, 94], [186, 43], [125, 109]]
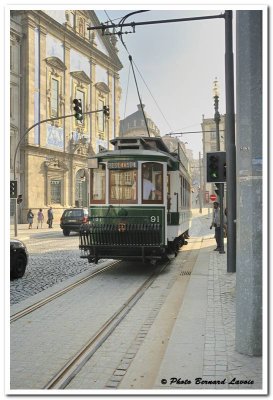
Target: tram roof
[[140, 148], [135, 154], [140, 142]]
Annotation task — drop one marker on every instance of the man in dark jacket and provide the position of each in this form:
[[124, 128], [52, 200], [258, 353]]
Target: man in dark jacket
[[50, 217], [216, 224]]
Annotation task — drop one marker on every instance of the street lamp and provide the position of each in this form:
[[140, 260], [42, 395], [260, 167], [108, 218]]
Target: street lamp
[[217, 120]]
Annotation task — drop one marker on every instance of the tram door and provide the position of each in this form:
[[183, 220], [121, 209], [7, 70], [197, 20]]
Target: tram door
[[81, 198]]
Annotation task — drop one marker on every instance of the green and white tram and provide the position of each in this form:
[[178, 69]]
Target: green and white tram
[[139, 201]]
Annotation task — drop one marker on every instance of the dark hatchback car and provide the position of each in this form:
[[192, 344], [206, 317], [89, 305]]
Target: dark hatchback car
[[72, 219], [18, 258]]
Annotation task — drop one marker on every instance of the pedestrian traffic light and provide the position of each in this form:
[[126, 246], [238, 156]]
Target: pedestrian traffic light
[[78, 109], [19, 198], [216, 166], [106, 111]]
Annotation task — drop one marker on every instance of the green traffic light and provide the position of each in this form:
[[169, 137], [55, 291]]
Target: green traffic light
[[213, 167]]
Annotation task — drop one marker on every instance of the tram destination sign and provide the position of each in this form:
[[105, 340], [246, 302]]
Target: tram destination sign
[[122, 164]]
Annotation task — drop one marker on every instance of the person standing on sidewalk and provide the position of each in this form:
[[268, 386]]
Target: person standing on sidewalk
[[49, 217], [40, 218], [30, 217], [216, 224]]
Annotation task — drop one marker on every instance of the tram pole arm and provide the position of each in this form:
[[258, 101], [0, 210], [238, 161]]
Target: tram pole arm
[[20, 141], [38, 123]]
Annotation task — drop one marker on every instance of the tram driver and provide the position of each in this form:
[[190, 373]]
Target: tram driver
[[149, 189]]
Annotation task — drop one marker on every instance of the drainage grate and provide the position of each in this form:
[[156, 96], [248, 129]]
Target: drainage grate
[[185, 273]]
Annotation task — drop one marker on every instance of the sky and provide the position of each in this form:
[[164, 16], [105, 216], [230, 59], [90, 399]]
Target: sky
[[178, 63]]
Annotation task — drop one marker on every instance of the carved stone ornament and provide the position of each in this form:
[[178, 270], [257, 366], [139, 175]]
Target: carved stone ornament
[[55, 164], [79, 147]]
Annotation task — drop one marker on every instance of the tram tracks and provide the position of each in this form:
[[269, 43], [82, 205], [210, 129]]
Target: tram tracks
[[66, 374], [48, 299]]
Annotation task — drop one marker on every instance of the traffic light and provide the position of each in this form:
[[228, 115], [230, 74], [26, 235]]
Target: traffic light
[[13, 189], [78, 109], [19, 198], [216, 166], [106, 111]]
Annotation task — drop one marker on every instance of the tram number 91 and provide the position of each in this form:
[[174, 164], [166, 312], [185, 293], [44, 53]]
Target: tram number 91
[[155, 218]]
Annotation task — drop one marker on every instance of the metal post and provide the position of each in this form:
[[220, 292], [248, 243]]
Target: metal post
[[217, 120], [230, 146], [200, 191], [15, 218]]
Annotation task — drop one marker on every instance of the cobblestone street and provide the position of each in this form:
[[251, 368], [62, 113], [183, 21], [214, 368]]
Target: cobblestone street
[[52, 259]]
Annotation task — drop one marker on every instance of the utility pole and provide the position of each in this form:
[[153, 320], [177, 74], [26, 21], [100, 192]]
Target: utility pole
[[217, 120], [230, 146], [200, 190]]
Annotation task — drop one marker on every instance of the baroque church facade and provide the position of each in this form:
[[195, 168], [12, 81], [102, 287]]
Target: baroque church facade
[[54, 59]]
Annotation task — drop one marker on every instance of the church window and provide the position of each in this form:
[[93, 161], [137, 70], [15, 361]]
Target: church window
[[54, 97]]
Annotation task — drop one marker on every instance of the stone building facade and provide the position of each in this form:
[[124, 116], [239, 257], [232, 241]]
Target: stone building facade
[[57, 60]]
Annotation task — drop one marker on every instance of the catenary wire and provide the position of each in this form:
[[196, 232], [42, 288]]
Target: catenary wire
[[122, 20]]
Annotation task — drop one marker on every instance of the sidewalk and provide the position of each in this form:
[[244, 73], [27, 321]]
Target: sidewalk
[[202, 343], [24, 233]]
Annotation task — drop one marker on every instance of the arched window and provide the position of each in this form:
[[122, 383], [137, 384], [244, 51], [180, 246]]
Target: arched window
[[152, 183]]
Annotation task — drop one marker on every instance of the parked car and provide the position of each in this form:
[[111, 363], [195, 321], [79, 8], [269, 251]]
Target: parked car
[[18, 258], [72, 219]]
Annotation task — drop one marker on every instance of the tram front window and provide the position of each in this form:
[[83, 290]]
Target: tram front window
[[152, 183], [123, 186], [98, 185]]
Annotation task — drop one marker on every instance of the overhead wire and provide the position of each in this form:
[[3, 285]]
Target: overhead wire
[[132, 66], [153, 97], [122, 21]]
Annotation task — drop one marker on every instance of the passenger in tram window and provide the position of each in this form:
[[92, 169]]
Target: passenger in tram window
[[150, 191], [158, 187], [148, 187]]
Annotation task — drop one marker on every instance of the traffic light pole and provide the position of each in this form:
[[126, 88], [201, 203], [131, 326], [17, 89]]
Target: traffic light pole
[[23, 137], [217, 120], [230, 146]]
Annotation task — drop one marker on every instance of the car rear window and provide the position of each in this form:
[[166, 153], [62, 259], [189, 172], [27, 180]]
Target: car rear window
[[73, 213]]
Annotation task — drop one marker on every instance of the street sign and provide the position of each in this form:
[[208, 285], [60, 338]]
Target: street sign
[[13, 189], [213, 197]]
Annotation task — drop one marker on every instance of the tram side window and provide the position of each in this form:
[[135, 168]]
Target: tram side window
[[98, 185], [152, 183], [123, 186]]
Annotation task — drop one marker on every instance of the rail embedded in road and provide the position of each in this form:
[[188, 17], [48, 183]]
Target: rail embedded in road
[[73, 367], [54, 296]]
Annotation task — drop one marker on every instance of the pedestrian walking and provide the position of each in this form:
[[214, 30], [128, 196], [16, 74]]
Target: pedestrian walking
[[30, 217], [40, 218], [50, 217], [216, 224]]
